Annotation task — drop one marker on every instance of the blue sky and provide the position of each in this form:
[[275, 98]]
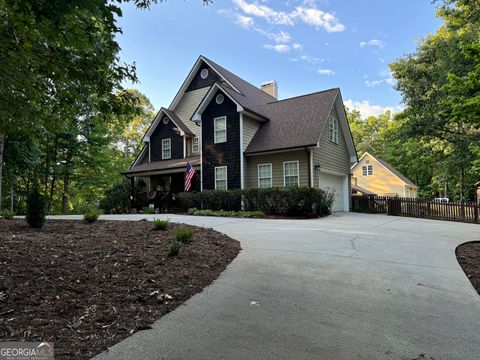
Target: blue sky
[[305, 45]]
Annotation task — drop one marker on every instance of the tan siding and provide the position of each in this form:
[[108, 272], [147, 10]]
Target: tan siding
[[382, 182], [330, 156], [187, 105], [276, 159], [250, 127]]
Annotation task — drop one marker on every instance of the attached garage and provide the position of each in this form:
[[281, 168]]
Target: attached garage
[[339, 184]]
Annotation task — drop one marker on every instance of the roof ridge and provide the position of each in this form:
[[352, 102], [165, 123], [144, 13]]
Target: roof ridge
[[235, 75], [304, 95]]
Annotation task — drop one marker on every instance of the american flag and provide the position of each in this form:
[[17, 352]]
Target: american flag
[[189, 176]]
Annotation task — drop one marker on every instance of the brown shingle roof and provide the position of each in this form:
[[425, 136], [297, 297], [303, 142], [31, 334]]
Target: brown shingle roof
[[395, 171], [174, 117], [164, 165], [294, 122], [247, 89]]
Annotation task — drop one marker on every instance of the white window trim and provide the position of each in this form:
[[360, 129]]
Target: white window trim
[[270, 177], [367, 168], [298, 172], [226, 176], [164, 141], [193, 145], [333, 130], [215, 131]]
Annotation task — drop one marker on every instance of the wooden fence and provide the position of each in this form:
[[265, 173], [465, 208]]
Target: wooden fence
[[397, 206]]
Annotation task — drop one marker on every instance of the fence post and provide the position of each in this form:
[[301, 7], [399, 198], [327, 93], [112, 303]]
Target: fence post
[[475, 213]]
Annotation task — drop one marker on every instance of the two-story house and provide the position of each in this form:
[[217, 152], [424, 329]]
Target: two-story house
[[238, 136]]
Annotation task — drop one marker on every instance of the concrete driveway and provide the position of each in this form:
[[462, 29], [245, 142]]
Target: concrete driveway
[[349, 286]]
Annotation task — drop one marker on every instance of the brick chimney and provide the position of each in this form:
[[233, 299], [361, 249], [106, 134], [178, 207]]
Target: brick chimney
[[271, 88]]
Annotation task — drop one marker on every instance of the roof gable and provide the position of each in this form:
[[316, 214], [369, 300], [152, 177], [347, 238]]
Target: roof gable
[[183, 129], [294, 122], [388, 167]]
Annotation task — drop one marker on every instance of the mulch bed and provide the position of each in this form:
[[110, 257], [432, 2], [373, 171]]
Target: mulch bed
[[85, 286], [468, 255]]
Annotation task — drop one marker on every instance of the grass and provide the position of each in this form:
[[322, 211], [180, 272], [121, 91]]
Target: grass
[[184, 235], [222, 213], [160, 224], [174, 248]]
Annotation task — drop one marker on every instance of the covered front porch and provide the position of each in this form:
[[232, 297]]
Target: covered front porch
[[155, 185]]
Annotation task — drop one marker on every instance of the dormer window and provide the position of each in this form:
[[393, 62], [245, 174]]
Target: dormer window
[[333, 129], [166, 149], [220, 129], [195, 145]]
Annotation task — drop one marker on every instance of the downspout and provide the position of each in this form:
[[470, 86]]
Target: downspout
[[310, 175]]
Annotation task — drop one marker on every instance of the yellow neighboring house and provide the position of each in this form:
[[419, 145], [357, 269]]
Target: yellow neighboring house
[[379, 177]]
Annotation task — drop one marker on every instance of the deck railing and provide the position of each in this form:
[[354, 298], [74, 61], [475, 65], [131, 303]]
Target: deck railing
[[420, 208]]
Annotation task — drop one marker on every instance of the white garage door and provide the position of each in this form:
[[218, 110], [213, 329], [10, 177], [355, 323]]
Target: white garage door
[[339, 185]]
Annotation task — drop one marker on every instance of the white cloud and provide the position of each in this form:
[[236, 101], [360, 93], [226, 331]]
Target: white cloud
[[326, 72], [373, 83], [366, 109], [297, 47], [281, 48], [308, 14], [390, 81], [373, 42], [281, 37], [245, 22], [307, 58], [318, 19]]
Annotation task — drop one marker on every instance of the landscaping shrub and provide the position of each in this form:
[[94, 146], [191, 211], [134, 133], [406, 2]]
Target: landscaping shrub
[[229, 200], [91, 215], [174, 248], [160, 224], [7, 214], [184, 235], [221, 213], [148, 210], [291, 201], [36, 209]]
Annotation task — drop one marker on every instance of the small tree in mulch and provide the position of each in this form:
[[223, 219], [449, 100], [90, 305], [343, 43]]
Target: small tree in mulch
[[36, 209]]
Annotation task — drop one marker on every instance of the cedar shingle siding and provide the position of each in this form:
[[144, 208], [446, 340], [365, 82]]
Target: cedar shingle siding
[[165, 131], [198, 82], [222, 154]]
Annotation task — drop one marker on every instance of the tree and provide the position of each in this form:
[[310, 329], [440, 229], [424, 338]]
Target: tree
[[440, 88], [59, 62]]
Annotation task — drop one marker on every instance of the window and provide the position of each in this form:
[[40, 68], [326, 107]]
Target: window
[[290, 173], [333, 129], [219, 99], [195, 145], [220, 130], [204, 73], [166, 149], [221, 178], [367, 170], [265, 175]]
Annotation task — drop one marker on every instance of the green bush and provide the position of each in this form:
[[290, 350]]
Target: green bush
[[184, 235], [221, 213], [91, 215], [175, 246], [229, 200], [160, 224], [148, 210], [36, 209], [7, 214], [291, 201]]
